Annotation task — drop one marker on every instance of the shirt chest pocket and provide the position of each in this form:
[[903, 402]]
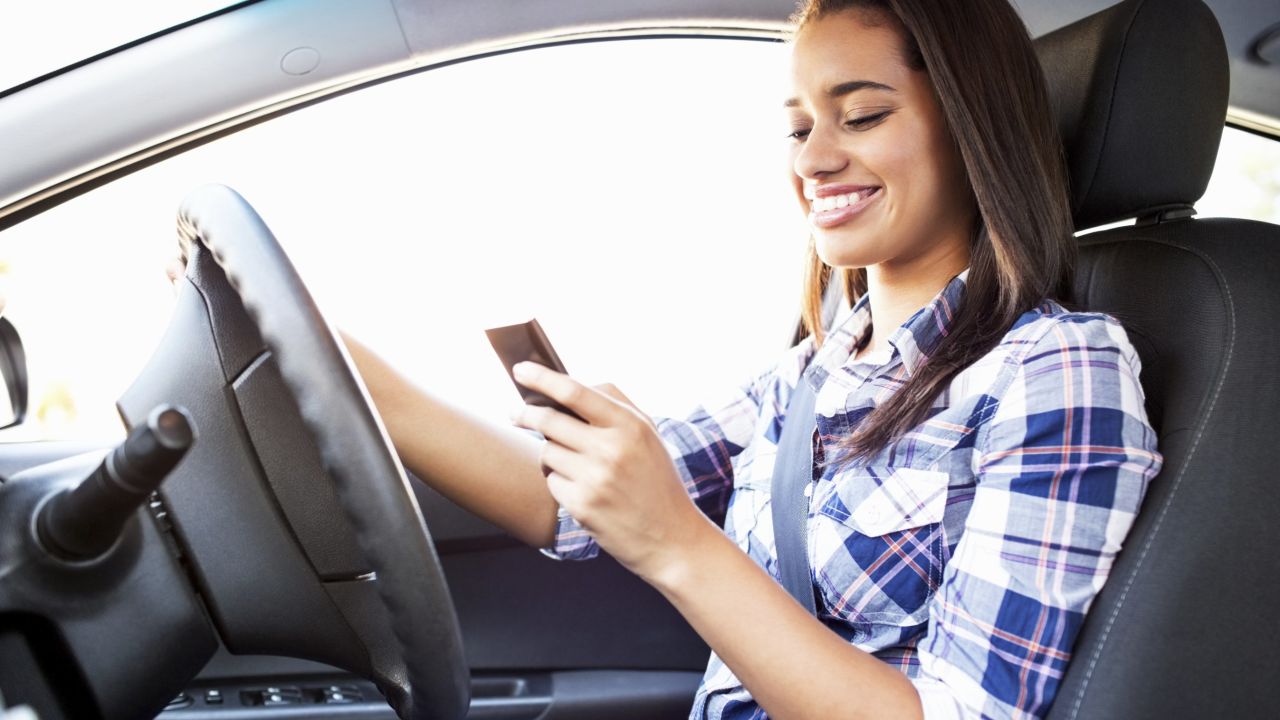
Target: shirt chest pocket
[[876, 544]]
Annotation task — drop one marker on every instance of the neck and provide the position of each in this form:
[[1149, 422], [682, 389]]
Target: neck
[[898, 291]]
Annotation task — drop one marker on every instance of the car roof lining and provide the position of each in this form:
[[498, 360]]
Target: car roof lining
[[193, 91]]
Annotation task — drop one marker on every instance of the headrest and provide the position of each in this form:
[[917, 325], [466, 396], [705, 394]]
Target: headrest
[[1140, 94]]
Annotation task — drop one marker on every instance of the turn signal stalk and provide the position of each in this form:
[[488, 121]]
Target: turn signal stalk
[[84, 522]]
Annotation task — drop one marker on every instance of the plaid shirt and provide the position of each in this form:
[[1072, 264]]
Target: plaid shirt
[[966, 553]]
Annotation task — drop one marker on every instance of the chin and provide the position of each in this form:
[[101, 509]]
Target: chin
[[845, 252]]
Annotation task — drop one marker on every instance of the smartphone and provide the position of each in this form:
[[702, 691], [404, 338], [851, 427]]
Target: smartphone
[[527, 341]]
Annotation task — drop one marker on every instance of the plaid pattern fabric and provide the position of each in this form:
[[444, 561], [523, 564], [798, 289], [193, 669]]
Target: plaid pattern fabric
[[966, 553]]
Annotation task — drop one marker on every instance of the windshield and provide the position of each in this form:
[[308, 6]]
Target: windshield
[[37, 38]]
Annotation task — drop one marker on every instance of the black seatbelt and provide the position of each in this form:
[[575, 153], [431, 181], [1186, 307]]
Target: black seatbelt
[[792, 474]]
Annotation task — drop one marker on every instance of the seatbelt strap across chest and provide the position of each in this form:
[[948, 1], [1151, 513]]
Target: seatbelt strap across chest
[[792, 474]]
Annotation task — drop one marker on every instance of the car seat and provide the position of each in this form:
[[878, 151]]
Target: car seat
[[1186, 625]]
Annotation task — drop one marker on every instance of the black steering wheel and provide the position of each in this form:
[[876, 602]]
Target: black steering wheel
[[338, 415]]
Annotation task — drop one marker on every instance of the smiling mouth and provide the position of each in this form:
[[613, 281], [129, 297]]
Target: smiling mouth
[[833, 210]]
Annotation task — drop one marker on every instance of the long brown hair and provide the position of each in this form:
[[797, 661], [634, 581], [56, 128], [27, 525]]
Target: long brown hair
[[991, 89]]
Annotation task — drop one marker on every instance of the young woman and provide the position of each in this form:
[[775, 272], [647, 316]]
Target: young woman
[[980, 452]]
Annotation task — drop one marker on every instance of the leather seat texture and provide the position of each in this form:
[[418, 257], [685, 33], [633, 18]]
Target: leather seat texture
[[1187, 625]]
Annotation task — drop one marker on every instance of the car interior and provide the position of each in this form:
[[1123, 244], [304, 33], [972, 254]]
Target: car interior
[[283, 565]]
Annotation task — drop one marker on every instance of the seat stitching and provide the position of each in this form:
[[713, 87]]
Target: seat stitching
[[1195, 443]]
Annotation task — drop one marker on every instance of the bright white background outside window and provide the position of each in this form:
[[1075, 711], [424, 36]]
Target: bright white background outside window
[[630, 195], [1246, 179]]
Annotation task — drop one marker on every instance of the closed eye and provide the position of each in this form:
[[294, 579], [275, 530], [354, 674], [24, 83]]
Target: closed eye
[[864, 122]]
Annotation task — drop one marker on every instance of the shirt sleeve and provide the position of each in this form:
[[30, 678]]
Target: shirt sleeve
[[1061, 470], [702, 446]]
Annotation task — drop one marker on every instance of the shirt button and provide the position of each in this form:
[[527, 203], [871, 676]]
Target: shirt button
[[808, 490], [873, 514]]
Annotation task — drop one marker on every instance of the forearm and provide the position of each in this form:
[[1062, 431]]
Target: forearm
[[490, 470], [792, 665]]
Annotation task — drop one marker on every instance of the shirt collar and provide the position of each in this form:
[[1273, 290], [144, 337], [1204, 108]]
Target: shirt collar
[[913, 342], [916, 339]]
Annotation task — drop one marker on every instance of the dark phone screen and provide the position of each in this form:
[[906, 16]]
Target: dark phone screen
[[527, 341]]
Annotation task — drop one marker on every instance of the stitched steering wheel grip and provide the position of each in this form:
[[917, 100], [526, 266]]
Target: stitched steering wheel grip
[[355, 448]]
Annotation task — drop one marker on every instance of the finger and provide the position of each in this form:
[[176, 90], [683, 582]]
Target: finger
[[594, 407], [554, 425], [567, 495], [572, 465]]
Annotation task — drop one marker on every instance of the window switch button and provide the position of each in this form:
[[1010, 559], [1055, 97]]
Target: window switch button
[[273, 696], [339, 695]]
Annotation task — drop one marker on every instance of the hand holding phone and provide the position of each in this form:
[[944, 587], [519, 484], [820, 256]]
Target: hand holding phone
[[527, 341]]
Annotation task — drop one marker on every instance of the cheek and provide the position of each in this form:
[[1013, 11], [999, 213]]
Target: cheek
[[802, 203], [925, 180], [947, 178], [948, 189], [897, 164], [795, 181]]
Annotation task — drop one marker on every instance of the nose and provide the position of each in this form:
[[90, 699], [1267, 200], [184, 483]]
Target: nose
[[820, 155]]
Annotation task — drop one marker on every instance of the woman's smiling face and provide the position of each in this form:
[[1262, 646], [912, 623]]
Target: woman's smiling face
[[873, 164]]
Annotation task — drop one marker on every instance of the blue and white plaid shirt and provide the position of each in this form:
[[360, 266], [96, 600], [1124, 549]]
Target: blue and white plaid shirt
[[966, 553]]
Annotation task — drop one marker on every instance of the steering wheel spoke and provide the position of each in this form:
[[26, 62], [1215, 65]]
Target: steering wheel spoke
[[293, 468]]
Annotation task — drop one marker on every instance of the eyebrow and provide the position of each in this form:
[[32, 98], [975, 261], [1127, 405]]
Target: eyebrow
[[845, 88]]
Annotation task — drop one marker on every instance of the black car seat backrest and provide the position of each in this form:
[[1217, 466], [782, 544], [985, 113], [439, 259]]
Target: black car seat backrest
[[1187, 625]]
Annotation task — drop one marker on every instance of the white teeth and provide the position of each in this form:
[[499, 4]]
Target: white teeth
[[836, 202]]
